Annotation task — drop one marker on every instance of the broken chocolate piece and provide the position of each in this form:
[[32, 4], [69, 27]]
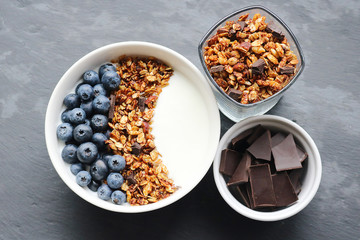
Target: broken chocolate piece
[[250, 195], [141, 103], [262, 186], [136, 148], [285, 155], [277, 138], [243, 194], [239, 143], [112, 107], [287, 70], [261, 148], [235, 94], [258, 67], [270, 28], [284, 191], [295, 179], [258, 131], [245, 46], [241, 174], [217, 68], [232, 34], [229, 161], [302, 154], [131, 178]]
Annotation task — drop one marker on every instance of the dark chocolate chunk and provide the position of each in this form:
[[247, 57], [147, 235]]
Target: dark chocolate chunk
[[235, 94], [277, 138], [258, 131], [141, 103], [229, 161], [136, 149], [250, 195], [287, 70], [112, 107], [131, 178], [232, 34], [239, 143], [261, 148], [295, 179], [284, 191], [302, 154], [241, 174], [243, 194], [258, 67], [285, 155], [217, 68], [262, 186]]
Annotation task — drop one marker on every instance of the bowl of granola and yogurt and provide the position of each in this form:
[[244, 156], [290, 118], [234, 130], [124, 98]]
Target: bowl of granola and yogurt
[[167, 138]]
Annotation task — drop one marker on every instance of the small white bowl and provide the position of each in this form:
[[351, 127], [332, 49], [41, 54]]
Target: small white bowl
[[186, 124], [312, 170]]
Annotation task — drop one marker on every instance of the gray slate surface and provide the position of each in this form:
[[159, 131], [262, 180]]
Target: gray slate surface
[[40, 40]]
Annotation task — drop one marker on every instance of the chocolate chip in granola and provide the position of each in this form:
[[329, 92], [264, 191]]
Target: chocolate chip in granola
[[141, 103], [235, 94], [136, 149], [131, 178], [287, 70], [217, 68], [258, 67], [112, 106], [274, 31], [232, 35]]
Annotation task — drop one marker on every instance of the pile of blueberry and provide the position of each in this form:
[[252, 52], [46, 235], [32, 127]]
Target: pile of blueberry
[[84, 129]]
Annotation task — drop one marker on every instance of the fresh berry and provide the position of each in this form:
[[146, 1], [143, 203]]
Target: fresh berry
[[77, 116], [118, 197], [99, 140], [71, 101], [101, 104], [111, 80], [99, 170], [116, 162], [104, 192], [86, 92], [87, 152], [105, 68], [65, 116], [68, 153], [87, 107], [82, 133], [99, 123], [94, 185], [99, 90], [64, 132], [115, 180], [91, 77], [75, 168], [83, 178]]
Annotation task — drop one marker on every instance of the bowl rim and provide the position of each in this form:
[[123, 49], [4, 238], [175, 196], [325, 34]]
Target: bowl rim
[[98, 202], [221, 21], [279, 214]]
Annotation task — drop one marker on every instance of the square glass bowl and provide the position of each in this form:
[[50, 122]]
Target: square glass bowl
[[228, 106]]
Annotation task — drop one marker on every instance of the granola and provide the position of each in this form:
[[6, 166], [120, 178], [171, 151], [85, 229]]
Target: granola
[[250, 56], [146, 177]]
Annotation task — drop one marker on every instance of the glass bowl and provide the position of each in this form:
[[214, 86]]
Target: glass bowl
[[228, 106]]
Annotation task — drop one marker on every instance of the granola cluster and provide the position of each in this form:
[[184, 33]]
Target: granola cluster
[[249, 59], [146, 177]]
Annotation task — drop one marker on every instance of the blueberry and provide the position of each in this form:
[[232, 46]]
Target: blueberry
[[99, 170], [77, 116], [99, 140], [64, 131], [91, 77], [68, 153], [116, 162], [87, 107], [115, 180], [99, 122], [75, 168], [65, 116], [101, 104], [82, 133], [94, 185], [87, 152], [83, 178], [104, 192], [71, 101], [105, 68], [111, 80], [86, 92], [118, 197], [99, 90], [77, 87]]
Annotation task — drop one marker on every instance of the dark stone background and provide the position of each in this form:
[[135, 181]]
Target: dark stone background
[[40, 40]]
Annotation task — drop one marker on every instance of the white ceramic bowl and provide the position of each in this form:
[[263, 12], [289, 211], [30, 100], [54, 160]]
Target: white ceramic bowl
[[312, 171], [186, 124]]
